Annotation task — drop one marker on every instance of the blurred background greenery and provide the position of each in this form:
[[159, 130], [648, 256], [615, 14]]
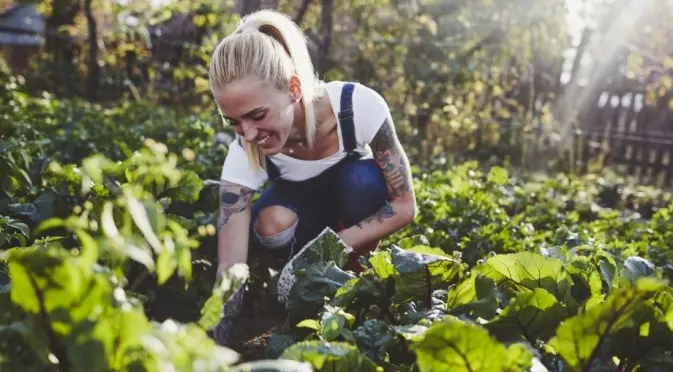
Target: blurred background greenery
[[573, 84]]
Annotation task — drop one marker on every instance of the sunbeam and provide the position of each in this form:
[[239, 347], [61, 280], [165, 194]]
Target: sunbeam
[[604, 42]]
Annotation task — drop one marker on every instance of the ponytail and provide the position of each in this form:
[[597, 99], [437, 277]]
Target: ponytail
[[270, 45]]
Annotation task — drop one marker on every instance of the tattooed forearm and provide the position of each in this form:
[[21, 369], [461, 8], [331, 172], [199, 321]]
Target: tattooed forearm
[[233, 199], [387, 211], [392, 160]]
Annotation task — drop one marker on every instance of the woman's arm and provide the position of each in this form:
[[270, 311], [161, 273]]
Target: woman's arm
[[232, 247], [233, 224], [401, 210]]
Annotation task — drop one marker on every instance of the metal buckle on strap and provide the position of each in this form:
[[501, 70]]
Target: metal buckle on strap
[[346, 114]]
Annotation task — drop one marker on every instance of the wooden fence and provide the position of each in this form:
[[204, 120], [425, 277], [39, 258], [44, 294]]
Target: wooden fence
[[620, 129], [614, 126]]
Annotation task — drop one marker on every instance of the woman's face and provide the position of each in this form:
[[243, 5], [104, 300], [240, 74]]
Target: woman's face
[[259, 112]]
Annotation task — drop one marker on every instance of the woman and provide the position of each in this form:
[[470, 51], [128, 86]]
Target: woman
[[309, 138]]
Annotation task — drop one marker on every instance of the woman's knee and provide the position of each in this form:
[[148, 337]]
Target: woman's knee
[[275, 226], [363, 190], [363, 175]]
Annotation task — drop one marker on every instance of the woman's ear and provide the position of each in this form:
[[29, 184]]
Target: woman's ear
[[295, 88]]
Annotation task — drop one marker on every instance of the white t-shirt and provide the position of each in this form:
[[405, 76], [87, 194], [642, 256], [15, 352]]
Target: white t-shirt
[[369, 109]]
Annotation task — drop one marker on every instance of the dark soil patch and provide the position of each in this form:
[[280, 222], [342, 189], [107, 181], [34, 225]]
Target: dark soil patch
[[260, 318], [262, 314], [251, 336]]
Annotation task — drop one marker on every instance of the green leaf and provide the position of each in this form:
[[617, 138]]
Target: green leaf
[[579, 338], [326, 247], [413, 241], [636, 267], [137, 251], [463, 293], [382, 264], [373, 338], [45, 205], [419, 274], [22, 227], [313, 285], [531, 316], [310, 324], [189, 187], [498, 175], [526, 271], [166, 265], [140, 217], [335, 323], [587, 285], [90, 252], [411, 332], [329, 356], [278, 343], [455, 345], [367, 289]]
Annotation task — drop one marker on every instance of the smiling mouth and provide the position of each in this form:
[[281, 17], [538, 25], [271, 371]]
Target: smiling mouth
[[264, 140]]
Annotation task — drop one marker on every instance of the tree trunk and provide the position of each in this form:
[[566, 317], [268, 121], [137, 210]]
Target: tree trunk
[[270, 4], [246, 7], [325, 36], [62, 48], [93, 73], [302, 11]]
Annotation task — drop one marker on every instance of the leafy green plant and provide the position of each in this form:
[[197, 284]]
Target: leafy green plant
[[501, 271]]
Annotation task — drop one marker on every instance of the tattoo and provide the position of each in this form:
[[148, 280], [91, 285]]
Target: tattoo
[[233, 199], [391, 159], [386, 211]]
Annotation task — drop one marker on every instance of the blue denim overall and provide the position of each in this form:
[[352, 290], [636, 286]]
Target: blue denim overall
[[340, 197]]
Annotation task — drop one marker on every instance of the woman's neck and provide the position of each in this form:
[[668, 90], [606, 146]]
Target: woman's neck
[[321, 112]]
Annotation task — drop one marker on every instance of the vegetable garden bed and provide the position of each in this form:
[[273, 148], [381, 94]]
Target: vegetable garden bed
[[108, 250]]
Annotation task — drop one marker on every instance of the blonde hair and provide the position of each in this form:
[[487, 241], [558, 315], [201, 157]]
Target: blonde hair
[[267, 44]]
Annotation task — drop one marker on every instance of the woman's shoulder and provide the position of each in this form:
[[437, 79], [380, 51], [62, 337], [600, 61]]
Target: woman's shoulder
[[361, 90], [364, 97], [370, 109]]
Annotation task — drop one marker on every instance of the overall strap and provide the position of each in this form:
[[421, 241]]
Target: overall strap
[[346, 118], [272, 169]]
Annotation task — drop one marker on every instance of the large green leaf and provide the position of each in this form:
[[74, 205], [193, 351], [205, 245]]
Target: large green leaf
[[366, 289], [373, 338], [531, 316], [526, 271], [579, 339], [314, 285], [326, 247], [475, 296], [458, 346], [417, 275]]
